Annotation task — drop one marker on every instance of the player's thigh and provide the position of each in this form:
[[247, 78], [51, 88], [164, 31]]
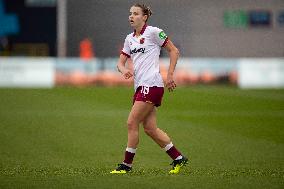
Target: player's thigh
[[150, 121], [139, 112]]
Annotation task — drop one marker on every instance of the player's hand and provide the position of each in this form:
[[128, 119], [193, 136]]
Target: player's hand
[[127, 74], [170, 83]]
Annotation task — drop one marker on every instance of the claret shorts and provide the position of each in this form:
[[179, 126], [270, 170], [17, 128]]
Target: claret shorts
[[151, 95]]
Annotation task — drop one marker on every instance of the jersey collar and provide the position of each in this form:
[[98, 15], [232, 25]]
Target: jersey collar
[[142, 31]]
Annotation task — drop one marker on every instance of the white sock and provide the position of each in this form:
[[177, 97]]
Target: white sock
[[168, 146], [179, 157], [131, 150]]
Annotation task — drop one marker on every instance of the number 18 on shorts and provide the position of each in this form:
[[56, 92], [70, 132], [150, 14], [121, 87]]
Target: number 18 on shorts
[[152, 95]]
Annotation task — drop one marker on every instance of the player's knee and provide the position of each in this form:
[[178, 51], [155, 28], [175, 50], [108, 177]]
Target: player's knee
[[150, 132], [131, 124]]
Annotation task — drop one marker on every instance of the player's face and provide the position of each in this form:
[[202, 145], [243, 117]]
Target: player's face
[[136, 17]]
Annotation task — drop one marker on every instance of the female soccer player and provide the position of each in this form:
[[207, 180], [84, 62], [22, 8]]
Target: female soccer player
[[143, 47]]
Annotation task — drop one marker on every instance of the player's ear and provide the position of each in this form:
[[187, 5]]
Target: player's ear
[[145, 17]]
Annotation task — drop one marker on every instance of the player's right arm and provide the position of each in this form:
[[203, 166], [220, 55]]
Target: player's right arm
[[121, 67]]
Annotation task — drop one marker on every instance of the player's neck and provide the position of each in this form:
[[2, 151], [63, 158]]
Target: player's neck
[[139, 29]]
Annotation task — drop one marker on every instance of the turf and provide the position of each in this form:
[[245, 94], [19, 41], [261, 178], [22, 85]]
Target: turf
[[73, 137]]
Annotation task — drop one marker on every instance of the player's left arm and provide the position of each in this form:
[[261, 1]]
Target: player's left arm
[[174, 55]]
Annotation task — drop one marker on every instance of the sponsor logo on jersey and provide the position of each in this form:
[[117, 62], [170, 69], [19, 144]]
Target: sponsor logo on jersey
[[142, 50], [162, 35]]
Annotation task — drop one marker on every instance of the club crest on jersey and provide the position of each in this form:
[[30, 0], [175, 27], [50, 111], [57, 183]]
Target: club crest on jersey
[[142, 50], [142, 40]]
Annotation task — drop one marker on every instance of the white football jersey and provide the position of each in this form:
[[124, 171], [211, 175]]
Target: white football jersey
[[144, 51]]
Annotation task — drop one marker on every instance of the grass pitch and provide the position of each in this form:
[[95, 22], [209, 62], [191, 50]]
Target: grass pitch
[[73, 138]]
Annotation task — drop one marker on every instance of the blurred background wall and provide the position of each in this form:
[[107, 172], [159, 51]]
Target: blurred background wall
[[28, 28], [207, 28], [74, 42], [198, 27]]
